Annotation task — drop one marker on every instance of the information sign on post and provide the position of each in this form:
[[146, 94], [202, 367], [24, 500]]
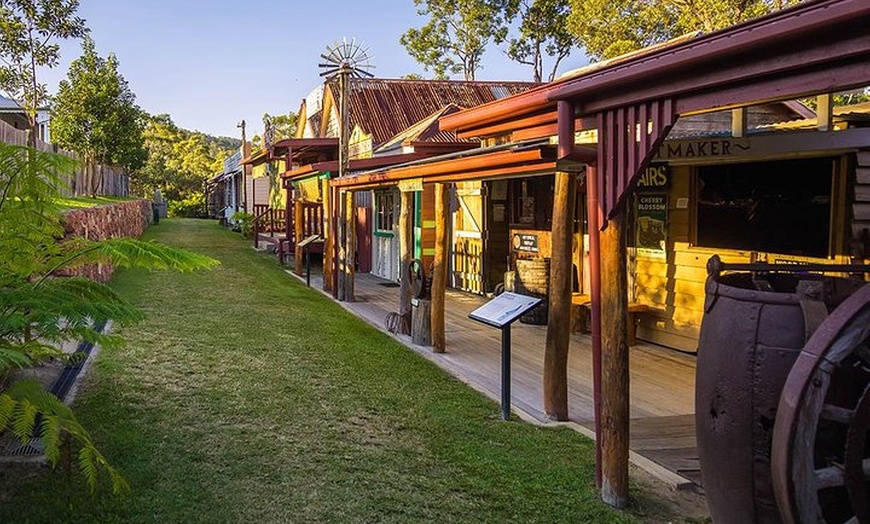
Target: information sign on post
[[500, 313]]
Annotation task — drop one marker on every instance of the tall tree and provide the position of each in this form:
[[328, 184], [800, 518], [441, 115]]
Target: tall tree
[[609, 28], [542, 32], [179, 163], [95, 114], [28, 29], [457, 33], [283, 126]]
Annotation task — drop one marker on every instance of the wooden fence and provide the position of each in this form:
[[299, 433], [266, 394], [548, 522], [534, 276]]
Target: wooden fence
[[104, 180]]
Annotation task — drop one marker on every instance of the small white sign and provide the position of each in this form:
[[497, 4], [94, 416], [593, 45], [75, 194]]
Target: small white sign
[[504, 309]]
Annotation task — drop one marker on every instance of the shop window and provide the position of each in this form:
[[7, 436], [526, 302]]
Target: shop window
[[532, 202], [384, 211], [774, 207]]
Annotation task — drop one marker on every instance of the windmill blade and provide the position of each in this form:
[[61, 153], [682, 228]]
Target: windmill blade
[[334, 54], [347, 56]]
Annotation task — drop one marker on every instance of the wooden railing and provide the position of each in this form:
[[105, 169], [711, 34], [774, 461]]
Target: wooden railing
[[267, 220], [312, 216]]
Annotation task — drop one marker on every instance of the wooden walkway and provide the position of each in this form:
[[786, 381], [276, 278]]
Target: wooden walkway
[[662, 380]]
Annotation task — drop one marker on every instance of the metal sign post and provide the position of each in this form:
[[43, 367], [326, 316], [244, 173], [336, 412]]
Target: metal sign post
[[501, 312], [304, 245]]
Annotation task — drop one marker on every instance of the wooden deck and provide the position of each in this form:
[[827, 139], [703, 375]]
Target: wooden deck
[[662, 380]]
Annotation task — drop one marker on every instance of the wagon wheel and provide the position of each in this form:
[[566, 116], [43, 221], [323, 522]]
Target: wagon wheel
[[415, 278], [821, 452]]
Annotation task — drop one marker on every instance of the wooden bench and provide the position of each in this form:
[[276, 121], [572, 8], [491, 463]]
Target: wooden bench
[[581, 306]]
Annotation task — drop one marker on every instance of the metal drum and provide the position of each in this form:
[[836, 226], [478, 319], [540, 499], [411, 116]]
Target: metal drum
[[533, 279], [754, 327]]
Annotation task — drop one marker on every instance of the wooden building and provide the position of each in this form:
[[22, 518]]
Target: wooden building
[[391, 122], [225, 192], [748, 193]]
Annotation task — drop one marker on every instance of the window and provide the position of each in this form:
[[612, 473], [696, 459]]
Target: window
[[775, 207], [384, 211]]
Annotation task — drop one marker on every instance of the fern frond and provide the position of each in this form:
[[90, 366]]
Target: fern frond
[[130, 252], [23, 420], [7, 406], [88, 466], [49, 434], [13, 358], [19, 406]]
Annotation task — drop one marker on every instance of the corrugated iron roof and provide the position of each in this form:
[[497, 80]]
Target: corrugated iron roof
[[858, 114], [7, 104], [385, 107], [425, 130]]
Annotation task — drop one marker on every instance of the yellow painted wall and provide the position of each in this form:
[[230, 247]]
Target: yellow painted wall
[[674, 286]]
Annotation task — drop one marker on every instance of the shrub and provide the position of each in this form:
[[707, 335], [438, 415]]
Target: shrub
[[245, 222], [191, 207]]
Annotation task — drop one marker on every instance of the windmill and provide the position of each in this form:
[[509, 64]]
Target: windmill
[[344, 60]]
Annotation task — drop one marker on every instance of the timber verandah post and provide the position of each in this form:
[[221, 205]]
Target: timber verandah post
[[561, 272], [406, 250], [627, 139], [298, 219], [329, 239], [614, 410], [439, 274], [350, 245]]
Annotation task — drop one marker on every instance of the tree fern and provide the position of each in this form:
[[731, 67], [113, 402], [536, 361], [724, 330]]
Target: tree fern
[[40, 308]]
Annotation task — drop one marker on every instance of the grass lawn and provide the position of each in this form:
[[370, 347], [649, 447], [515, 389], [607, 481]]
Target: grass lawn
[[246, 397], [86, 201]]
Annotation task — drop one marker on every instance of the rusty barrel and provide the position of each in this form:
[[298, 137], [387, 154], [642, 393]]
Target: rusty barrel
[[533, 279], [749, 341]]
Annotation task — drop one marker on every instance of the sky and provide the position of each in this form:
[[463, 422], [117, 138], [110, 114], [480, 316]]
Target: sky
[[211, 63]]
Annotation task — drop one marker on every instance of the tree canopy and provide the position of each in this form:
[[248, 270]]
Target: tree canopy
[[28, 29], [95, 112], [608, 28], [455, 37], [542, 32], [281, 126], [179, 163]]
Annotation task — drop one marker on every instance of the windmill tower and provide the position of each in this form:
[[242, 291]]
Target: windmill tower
[[341, 61]]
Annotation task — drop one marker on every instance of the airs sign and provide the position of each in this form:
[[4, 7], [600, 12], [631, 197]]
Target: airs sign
[[655, 178]]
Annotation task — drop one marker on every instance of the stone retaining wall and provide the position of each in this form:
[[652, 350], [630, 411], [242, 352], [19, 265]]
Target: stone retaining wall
[[124, 219]]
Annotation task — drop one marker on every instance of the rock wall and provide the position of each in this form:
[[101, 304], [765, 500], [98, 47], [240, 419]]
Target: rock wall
[[124, 219]]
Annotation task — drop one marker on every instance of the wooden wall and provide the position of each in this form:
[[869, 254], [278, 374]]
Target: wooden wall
[[673, 286], [861, 206], [427, 226]]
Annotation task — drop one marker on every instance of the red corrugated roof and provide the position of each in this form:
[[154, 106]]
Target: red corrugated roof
[[385, 107]]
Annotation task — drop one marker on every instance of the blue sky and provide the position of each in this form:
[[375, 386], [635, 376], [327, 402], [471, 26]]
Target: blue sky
[[210, 64]]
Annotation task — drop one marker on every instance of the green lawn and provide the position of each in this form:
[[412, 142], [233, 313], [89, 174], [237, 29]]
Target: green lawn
[[246, 397], [86, 201]]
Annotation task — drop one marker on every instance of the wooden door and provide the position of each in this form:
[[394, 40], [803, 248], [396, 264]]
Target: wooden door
[[385, 244], [467, 247]]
